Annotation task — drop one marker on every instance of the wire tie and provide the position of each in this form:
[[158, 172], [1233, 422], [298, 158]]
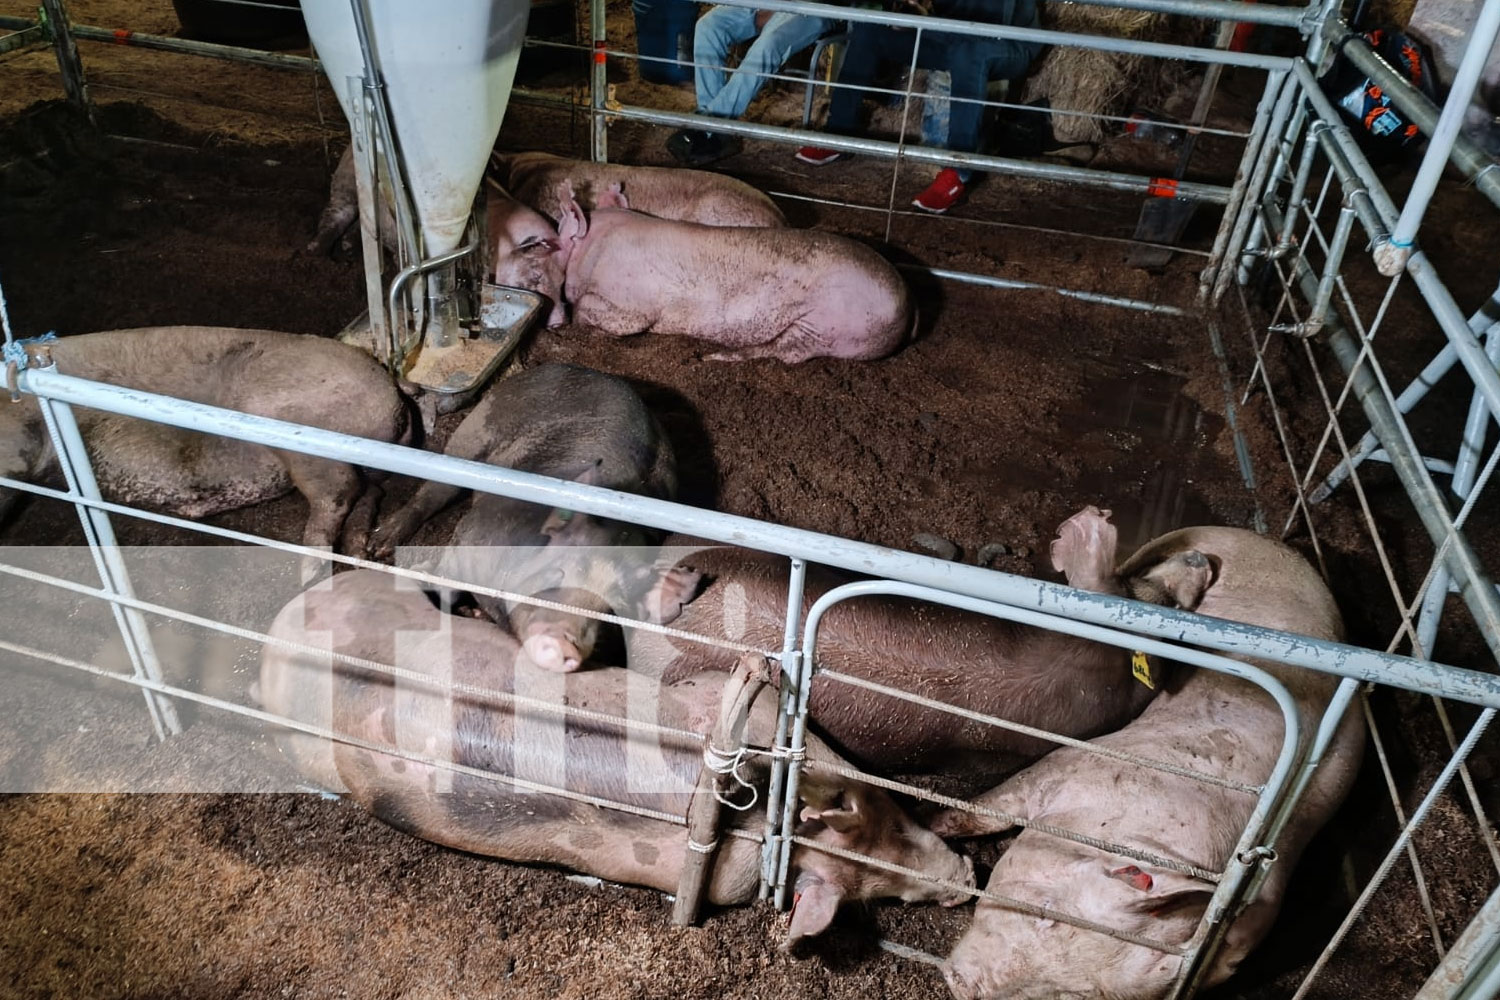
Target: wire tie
[[1257, 855]]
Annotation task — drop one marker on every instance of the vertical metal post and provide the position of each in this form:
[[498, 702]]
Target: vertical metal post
[[113, 577], [790, 655], [1465, 469], [1247, 178], [1471, 969], [1391, 257], [598, 86], [1336, 247], [1299, 192], [911, 79], [367, 184], [68, 61]]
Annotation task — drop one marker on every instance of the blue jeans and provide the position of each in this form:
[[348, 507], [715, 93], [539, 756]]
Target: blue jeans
[[728, 95], [971, 62]]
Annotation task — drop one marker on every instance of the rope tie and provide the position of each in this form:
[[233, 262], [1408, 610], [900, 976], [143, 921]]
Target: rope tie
[[698, 848], [720, 762], [15, 357]]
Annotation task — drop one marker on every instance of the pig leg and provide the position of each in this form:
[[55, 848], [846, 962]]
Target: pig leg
[[962, 823], [799, 341], [342, 209], [361, 521], [331, 490], [472, 440]]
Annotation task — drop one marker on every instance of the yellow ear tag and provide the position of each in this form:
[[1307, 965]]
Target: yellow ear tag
[[1140, 669]]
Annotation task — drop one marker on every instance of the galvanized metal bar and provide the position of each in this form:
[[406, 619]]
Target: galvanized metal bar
[[34, 35], [1098, 298], [1109, 180], [1233, 883], [1355, 172], [1391, 257], [75, 83], [367, 191], [776, 802], [1475, 586], [73, 458], [857, 557], [1208, 277], [1470, 160], [1288, 233], [1331, 271], [598, 84], [984, 29], [1471, 969], [1439, 786], [1263, 154], [408, 244], [1229, 240], [186, 46]]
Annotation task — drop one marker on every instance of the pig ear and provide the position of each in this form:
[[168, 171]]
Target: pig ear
[[813, 910], [558, 521], [613, 198], [1162, 893], [836, 809], [572, 225], [1084, 550]]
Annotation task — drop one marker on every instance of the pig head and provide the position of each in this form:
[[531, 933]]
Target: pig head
[[1207, 722], [528, 250]]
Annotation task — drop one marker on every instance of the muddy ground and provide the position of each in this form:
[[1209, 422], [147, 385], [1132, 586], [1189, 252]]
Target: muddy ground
[[1012, 410]]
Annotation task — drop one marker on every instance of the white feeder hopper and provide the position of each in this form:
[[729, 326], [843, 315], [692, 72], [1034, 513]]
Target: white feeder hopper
[[446, 71]]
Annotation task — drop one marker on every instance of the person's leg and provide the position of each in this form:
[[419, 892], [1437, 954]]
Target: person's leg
[[783, 35], [716, 31], [869, 45], [973, 63]]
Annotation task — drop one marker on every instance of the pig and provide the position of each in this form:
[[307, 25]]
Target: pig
[[303, 379], [790, 294], [1206, 721], [362, 613], [668, 193], [1446, 27], [1020, 673], [342, 209], [570, 423]]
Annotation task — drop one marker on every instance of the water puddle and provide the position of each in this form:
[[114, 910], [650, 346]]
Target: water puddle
[[1140, 443]]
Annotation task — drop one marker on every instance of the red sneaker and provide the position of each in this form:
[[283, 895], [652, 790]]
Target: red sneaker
[[942, 194], [817, 155]]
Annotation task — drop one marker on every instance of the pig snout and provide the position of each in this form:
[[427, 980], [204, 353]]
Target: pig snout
[[549, 647]]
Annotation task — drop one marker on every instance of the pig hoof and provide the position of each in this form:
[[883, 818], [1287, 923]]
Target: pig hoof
[[551, 653], [935, 546]]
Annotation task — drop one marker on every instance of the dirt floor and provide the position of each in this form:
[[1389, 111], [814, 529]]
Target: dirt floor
[[1009, 412]]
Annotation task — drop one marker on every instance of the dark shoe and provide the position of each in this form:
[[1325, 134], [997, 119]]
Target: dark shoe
[[817, 155], [694, 147]]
